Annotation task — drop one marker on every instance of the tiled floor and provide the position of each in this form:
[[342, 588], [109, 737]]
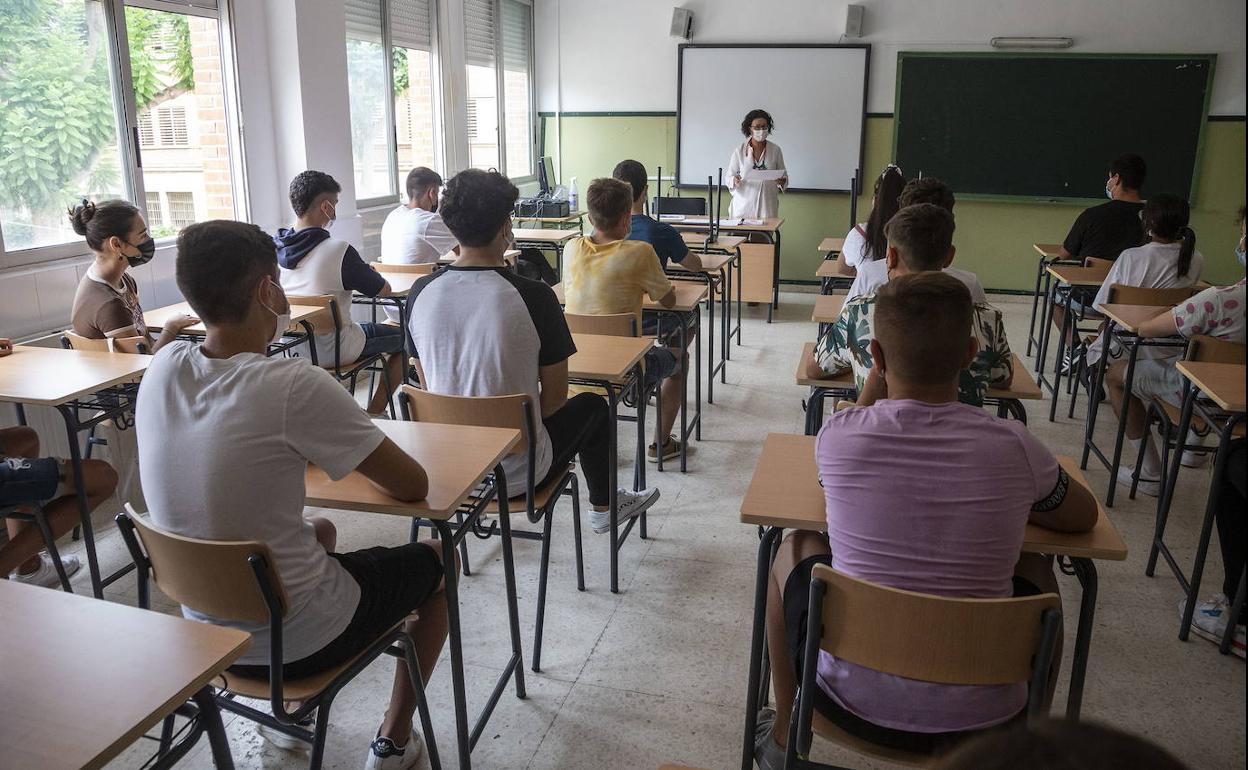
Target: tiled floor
[[657, 672]]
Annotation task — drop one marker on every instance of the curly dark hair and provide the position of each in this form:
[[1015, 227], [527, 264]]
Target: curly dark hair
[[476, 204], [753, 115], [306, 186]]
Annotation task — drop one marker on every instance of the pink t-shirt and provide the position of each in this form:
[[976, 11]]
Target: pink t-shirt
[[928, 498]]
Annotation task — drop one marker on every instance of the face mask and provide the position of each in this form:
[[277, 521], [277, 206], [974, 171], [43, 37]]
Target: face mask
[[281, 324], [333, 215], [759, 134], [147, 250]]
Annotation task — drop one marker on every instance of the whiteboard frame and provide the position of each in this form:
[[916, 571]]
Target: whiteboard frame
[[866, 80]]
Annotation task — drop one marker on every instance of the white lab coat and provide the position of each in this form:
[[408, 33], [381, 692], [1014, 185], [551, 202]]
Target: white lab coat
[[754, 200]]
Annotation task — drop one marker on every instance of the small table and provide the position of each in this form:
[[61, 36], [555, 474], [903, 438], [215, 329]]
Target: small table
[[1223, 385], [1049, 253], [557, 223], [71, 381], [827, 309], [1069, 278], [769, 229], [457, 458], [103, 673], [548, 240], [827, 273], [304, 316], [1121, 321], [785, 493], [615, 365]]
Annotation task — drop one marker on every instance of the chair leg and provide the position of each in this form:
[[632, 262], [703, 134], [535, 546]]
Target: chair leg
[[574, 486], [318, 737], [49, 541], [422, 704], [543, 573], [1163, 511], [463, 545]]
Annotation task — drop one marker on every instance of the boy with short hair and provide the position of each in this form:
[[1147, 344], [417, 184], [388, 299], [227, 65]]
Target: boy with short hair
[[481, 330], [607, 273], [1105, 230], [920, 240], [413, 233], [888, 524], [249, 425], [874, 274], [313, 263]]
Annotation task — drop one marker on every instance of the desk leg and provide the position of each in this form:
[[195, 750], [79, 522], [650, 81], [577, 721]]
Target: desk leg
[[740, 290], [454, 638], [1167, 489], [710, 330], [1067, 323], [1122, 421], [69, 414], [210, 717], [1094, 402], [612, 478], [725, 310], [697, 389], [1085, 570], [775, 277], [1050, 297], [639, 465], [766, 550], [1035, 304]]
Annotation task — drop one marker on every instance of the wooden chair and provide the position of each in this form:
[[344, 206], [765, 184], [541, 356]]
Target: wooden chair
[[515, 411], [72, 341], [423, 268], [237, 581], [350, 371], [947, 640], [1104, 264]]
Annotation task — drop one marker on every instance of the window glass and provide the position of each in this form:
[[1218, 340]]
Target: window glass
[[367, 87]]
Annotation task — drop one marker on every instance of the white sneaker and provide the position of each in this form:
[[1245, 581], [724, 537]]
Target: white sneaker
[[1209, 621], [384, 755], [1194, 459], [284, 741], [629, 505], [46, 575], [1150, 487]]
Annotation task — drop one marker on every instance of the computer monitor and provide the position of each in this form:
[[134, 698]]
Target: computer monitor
[[546, 174]]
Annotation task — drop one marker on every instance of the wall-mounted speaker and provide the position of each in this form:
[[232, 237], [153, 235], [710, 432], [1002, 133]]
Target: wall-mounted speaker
[[853, 20], [682, 23]]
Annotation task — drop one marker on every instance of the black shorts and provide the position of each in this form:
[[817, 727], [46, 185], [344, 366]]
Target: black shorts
[[666, 327], [394, 582], [796, 602]]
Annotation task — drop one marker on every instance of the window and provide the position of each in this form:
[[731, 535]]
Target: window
[[368, 86], [181, 209], [71, 131], [498, 45], [414, 75]]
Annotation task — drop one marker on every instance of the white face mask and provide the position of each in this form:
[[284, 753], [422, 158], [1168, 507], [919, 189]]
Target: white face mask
[[281, 323], [760, 134]]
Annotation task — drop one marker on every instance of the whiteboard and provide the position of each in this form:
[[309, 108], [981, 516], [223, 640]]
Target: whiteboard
[[816, 95]]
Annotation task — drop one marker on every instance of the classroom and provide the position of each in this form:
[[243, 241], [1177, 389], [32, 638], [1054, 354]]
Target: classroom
[[562, 384]]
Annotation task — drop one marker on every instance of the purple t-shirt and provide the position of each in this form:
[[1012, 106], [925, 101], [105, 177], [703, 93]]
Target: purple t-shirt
[[928, 498]]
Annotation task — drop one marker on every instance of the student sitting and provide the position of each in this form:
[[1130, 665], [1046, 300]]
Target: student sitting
[[314, 263], [607, 274], [866, 241], [249, 425], [481, 330], [106, 305], [920, 239], [889, 524], [26, 478], [1217, 312], [414, 234], [872, 275]]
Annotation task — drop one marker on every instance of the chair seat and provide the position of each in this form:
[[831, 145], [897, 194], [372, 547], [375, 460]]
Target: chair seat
[[348, 369], [825, 729], [541, 496], [293, 689], [1200, 426]]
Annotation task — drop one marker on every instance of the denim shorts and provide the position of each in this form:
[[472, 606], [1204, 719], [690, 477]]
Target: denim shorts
[[381, 338], [27, 480], [660, 364], [665, 327]]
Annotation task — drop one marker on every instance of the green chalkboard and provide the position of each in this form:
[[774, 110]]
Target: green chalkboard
[[1045, 126]]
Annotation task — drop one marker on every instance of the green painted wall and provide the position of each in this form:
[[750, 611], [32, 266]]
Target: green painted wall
[[993, 239]]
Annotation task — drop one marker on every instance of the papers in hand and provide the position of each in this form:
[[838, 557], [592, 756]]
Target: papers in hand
[[763, 174]]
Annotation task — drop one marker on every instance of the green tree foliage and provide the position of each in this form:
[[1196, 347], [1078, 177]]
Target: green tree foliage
[[399, 64]]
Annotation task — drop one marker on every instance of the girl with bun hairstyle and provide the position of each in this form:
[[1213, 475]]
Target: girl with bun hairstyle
[[106, 304]]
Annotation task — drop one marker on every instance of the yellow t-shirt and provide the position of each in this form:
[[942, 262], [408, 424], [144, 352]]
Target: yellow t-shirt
[[611, 278]]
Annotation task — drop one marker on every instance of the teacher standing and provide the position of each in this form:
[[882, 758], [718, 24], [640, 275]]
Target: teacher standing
[[756, 199]]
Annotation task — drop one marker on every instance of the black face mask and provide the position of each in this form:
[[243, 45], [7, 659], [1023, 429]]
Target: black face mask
[[147, 250]]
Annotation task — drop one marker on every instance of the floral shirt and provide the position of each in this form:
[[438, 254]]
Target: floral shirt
[[1217, 311], [847, 345]]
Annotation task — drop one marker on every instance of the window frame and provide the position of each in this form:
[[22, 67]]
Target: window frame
[[501, 101], [129, 148]]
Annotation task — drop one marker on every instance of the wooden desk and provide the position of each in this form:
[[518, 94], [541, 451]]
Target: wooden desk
[[82, 678], [1048, 250], [828, 308], [606, 358], [156, 319], [1070, 279], [1023, 387], [784, 493], [1073, 275], [760, 263], [724, 243], [552, 240], [831, 245], [1129, 317], [827, 269], [456, 458], [571, 219], [1223, 383]]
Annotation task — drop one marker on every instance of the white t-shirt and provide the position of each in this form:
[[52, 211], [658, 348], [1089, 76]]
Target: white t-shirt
[[414, 236], [224, 445], [872, 275], [1151, 266], [855, 245]]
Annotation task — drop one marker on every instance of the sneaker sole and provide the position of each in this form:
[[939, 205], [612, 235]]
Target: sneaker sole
[[641, 508], [1237, 646]]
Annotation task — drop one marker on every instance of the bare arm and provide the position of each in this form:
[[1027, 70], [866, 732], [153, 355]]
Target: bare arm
[[1072, 509], [420, 373], [669, 299], [692, 262], [395, 472], [814, 371], [1161, 325], [844, 267], [386, 291], [554, 382]]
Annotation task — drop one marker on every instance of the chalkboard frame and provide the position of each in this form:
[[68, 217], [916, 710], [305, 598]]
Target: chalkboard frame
[[1211, 58], [866, 87]]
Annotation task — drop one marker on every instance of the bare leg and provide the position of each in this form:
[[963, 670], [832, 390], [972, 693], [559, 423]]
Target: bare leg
[[672, 387], [394, 375], [793, 549], [1115, 384], [21, 553], [1038, 570], [429, 632]]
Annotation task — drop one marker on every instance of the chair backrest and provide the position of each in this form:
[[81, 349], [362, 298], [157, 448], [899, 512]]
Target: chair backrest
[[614, 325], [1121, 294], [424, 268], [666, 205], [319, 324], [948, 640], [72, 341], [211, 576], [483, 411], [1215, 351], [1098, 262]]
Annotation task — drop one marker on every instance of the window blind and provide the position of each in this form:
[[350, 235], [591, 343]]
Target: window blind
[[411, 24], [364, 20], [517, 35], [479, 26]]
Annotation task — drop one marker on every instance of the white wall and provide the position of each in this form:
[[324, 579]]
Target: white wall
[[605, 55]]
